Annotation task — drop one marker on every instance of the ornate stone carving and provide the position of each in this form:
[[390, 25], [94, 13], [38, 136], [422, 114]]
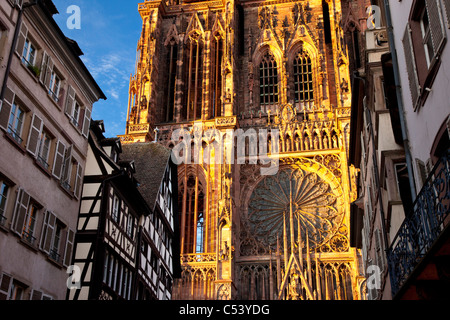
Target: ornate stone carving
[[315, 205]]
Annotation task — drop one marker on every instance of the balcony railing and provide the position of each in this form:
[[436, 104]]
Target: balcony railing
[[55, 256], [28, 237], [422, 227]]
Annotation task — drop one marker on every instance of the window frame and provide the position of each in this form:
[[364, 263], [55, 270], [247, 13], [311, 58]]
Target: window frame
[[115, 206], [26, 52], [416, 40], [268, 78], [30, 222], [301, 60], [5, 190], [43, 153], [13, 121], [55, 80]]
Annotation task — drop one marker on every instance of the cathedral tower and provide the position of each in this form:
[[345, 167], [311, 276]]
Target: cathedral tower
[[253, 97]]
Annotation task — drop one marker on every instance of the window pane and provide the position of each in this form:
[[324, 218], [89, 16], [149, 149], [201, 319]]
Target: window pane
[[268, 80], [3, 194]]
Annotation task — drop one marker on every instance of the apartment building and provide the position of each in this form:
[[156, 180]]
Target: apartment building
[[418, 255], [46, 103], [400, 143]]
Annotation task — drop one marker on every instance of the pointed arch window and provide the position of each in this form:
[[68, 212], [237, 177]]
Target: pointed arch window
[[268, 80], [171, 63], [194, 217], [303, 79], [194, 60], [216, 79]]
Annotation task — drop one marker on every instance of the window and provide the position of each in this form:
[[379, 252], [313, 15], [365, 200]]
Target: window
[[303, 79], [79, 116], [57, 239], [4, 190], [172, 69], [130, 226], [200, 233], [426, 36], [54, 86], [115, 209], [423, 40], [29, 53], [71, 176], [194, 75], [55, 252], [76, 113], [105, 267], [15, 124], [268, 80], [194, 223], [44, 149], [28, 233], [17, 291], [216, 79]]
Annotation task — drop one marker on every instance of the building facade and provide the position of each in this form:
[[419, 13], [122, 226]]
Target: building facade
[[46, 101], [419, 265], [254, 99], [400, 142], [123, 243]]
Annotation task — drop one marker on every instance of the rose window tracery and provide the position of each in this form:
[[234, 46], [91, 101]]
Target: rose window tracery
[[314, 203]]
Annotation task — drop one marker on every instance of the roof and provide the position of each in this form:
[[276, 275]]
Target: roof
[[50, 9], [151, 160]]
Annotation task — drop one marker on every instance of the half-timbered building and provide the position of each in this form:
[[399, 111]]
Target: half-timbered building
[[123, 243], [157, 261]]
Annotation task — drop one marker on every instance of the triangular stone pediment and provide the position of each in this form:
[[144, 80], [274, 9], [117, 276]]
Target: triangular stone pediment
[[172, 36], [194, 26]]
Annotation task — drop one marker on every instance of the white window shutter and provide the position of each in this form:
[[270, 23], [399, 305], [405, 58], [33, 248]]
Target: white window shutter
[[410, 61], [69, 247], [380, 253], [23, 34], [43, 67], [5, 110], [5, 286], [436, 25], [48, 72], [61, 94], [70, 101], [20, 211], [86, 122], [59, 160], [35, 134], [78, 181], [67, 167]]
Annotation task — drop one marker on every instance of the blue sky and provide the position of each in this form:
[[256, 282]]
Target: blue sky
[[108, 38]]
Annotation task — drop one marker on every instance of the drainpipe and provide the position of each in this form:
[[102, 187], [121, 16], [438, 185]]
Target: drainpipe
[[14, 44], [398, 89]]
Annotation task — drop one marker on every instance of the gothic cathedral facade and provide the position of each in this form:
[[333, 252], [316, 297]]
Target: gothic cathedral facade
[[273, 76]]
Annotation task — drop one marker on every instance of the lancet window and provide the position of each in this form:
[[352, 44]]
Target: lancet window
[[268, 80], [216, 75], [194, 217], [171, 63], [303, 79], [194, 61]]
